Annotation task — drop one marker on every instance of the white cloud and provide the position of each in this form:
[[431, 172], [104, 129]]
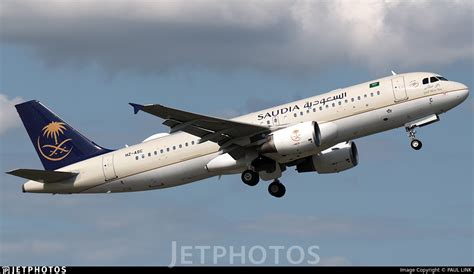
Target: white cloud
[[287, 35], [8, 116]]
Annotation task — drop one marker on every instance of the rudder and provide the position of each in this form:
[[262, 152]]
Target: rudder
[[56, 142]]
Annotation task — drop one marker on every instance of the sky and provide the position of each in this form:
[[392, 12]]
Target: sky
[[86, 60]]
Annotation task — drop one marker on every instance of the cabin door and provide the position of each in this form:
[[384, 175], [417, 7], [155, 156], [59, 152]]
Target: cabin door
[[399, 90]]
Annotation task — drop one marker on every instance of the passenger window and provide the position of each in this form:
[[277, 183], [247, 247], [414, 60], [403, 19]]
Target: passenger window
[[161, 150], [149, 154], [378, 92], [186, 144], [365, 95], [268, 122], [307, 111], [168, 149], [371, 94], [340, 102], [314, 109], [320, 108], [156, 152], [295, 115], [433, 79], [192, 143], [425, 81], [136, 157], [327, 106], [143, 156], [333, 105], [352, 99], [301, 113], [358, 98], [174, 147], [180, 145]]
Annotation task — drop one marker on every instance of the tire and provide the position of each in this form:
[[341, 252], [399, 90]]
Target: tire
[[416, 144], [276, 189], [250, 177]]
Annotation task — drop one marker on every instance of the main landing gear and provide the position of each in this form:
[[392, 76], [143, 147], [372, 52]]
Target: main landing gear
[[251, 178], [276, 189], [415, 143]]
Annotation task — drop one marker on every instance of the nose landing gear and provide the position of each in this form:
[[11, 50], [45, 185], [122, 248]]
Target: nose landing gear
[[415, 143]]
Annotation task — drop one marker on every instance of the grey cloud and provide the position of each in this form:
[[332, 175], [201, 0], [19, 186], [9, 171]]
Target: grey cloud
[[286, 36]]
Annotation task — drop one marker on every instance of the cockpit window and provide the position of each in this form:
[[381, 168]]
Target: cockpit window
[[425, 81], [442, 78], [433, 79]]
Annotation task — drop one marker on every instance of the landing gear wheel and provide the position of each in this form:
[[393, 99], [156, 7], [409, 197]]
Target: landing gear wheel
[[276, 189], [250, 177], [416, 144]]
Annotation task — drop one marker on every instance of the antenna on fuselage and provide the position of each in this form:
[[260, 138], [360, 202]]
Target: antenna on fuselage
[[393, 73]]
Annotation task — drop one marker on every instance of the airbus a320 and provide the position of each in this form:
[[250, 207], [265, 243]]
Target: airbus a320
[[311, 135]]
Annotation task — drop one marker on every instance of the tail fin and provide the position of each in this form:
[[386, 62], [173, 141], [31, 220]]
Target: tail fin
[[55, 141]]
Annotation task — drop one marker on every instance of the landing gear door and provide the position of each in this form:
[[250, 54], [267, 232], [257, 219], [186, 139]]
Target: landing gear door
[[399, 90], [108, 167]]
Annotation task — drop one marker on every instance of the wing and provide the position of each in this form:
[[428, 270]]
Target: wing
[[208, 128], [43, 176]]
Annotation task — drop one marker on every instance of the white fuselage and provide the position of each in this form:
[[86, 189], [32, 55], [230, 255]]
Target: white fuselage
[[178, 158]]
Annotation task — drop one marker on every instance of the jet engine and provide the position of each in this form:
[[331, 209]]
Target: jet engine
[[299, 138], [335, 159]]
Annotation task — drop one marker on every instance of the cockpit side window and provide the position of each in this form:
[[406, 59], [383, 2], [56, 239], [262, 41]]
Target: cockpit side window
[[442, 78], [425, 81], [433, 79]]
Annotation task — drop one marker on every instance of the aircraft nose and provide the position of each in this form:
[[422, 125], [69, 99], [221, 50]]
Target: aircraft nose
[[463, 92]]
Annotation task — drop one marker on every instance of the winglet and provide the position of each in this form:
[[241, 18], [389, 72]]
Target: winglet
[[136, 107]]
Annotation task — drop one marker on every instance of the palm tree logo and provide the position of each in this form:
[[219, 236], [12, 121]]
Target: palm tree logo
[[295, 135], [53, 129], [59, 150]]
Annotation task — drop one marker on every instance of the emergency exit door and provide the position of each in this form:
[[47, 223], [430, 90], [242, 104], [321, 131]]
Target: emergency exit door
[[108, 167]]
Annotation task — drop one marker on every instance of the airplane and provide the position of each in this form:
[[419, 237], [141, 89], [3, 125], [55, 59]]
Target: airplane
[[315, 134]]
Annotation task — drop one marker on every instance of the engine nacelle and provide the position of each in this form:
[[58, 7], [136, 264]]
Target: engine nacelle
[[299, 138], [335, 159]]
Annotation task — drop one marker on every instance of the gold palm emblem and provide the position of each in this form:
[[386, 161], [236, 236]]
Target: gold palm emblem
[[53, 129], [59, 150]]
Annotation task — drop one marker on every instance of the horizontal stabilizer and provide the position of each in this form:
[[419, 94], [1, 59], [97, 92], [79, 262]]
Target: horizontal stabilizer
[[43, 176]]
